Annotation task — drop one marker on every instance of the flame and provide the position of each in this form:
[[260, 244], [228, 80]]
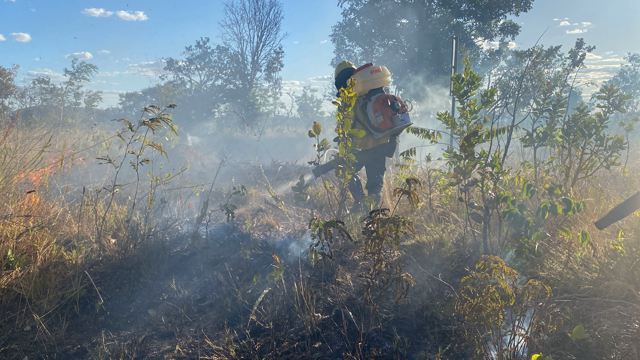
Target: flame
[[38, 176], [31, 201]]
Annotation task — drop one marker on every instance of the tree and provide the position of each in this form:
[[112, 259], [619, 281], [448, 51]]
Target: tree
[[252, 33], [587, 144], [309, 104], [628, 80], [204, 68], [202, 81], [92, 99], [536, 91], [238, 78], [72, 88], [413, 37], [8, 87], [42, 91], [134, 102]]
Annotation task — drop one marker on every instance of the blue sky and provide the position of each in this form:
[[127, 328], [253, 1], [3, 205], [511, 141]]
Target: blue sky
[[126, 39]]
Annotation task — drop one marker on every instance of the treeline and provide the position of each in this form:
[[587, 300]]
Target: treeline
[[236, 83]]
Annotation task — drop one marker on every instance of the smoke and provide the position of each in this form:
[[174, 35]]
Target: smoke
[[296, 246], [430, 98]]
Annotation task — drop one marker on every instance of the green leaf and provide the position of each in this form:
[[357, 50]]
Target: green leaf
[[358, 133], [528, 190], [316, 128], [425, 134], [584, 237], [554, 190], [578, 333], [536, 356], [569, 207], [11, 259], [408, 154], [618, 243], [544, 210]]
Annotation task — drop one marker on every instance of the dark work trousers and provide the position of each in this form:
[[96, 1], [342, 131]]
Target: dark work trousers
[[374, 162]]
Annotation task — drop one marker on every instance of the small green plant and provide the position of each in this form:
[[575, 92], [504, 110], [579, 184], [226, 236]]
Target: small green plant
[[476, 165], [535, 216], [321, 144], [139, 145], [323, 235], [11, 261], [346, 132], [503, 316], [586, 143], [410, 191], [301, 188], [383, 233]]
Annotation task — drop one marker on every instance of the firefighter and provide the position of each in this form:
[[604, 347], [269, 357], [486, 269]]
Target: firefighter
[[372, 152]]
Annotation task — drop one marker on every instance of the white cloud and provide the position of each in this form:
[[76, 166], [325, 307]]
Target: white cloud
[[564, 23], [21, 37], [576, 31], [324, 41], [322, 79], [512, 45], [97, 12], [81, 55], [110, 74], [578, 27], [2, 38], [46, 72], [121, 14], [132, 16], [592, 56], [147, 68], [295, 42], [104, 52], [598, 69]]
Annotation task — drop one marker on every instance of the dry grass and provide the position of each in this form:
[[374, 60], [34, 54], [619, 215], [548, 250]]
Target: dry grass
[[245, 291]]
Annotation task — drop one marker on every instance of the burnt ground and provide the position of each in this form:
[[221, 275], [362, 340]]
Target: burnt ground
[[187, 302]]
